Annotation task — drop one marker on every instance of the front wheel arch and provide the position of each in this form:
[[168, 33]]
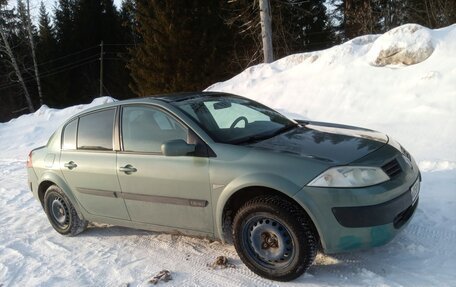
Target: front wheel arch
[[240, 197], [274, 238]]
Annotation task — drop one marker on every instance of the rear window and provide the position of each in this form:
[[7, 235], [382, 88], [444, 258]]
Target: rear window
[[95, 130], [69, 135]]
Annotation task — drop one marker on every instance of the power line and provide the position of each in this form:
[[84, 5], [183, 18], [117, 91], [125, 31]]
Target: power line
[[119, 44], [71, 65], [54, 72], [70, 68], [68, 55], [60, 68]]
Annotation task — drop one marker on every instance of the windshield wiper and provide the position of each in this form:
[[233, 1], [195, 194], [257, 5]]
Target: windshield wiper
[[284, 129], [260, 137]]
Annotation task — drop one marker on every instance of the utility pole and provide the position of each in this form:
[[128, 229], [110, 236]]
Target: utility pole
[[101, 69], [266, 31]]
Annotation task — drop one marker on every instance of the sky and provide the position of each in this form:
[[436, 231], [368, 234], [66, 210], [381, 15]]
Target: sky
[[35, 6]]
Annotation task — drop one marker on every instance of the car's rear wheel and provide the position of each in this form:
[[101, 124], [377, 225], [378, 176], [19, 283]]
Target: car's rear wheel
[[273, 238], [61, 213]]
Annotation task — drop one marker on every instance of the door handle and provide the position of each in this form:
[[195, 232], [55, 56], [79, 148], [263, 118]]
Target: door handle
[[128, 169], [70, 165]]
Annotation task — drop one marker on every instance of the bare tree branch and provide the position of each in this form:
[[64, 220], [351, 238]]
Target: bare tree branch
[[32, 46], [9, 53]]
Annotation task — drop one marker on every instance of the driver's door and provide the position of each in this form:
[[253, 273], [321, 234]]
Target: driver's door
[[158, 189]]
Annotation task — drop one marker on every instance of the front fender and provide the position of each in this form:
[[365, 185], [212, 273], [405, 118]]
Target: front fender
[[271, 181]]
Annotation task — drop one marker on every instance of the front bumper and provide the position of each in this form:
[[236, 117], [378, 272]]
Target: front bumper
[[396, 211], [359, 218]]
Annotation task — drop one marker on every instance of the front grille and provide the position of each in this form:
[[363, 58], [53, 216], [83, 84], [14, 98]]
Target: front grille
[[392, 168]]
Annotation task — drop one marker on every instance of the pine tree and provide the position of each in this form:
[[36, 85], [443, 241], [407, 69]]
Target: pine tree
[[96, 21], [81, 25], [64, 24], [184, 46], [13, 90], [129, 23], [46, 35], [297, 26], [64, 27], [13, 46], [46, 51], [302, 26], [360, 17], [22, 20]]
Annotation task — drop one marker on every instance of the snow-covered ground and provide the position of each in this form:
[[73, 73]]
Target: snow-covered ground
[[415, 104]]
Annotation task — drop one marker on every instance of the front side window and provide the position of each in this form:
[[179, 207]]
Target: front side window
[[145, 129], [95, 130], [230, 119]]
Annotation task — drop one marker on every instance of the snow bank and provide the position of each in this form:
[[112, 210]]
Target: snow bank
[[409, 44], [414, 104], [20, 135]]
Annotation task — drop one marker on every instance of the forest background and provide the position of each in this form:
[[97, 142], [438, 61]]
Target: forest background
[[83, 49]]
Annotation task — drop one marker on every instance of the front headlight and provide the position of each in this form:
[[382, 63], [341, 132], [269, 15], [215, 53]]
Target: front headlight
[[350, 176]]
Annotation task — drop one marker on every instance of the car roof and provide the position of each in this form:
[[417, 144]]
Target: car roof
[[178, 97], [166, 98]]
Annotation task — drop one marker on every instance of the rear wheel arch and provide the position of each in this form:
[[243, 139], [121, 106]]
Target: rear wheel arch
[[49, 180], [61, 212], [44, 185], [243, 195]]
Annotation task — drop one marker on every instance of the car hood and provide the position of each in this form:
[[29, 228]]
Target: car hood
[[332, 143]]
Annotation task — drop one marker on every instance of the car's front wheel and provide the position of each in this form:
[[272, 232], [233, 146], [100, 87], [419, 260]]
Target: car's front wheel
[[273, 238], [61, 213]]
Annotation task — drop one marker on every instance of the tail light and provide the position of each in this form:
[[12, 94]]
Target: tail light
[[29, 160]]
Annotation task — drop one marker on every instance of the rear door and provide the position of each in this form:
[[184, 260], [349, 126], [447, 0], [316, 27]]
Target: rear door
[[158, 189], [88, 163]]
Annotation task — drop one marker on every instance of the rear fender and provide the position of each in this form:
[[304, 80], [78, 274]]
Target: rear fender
[[57, 180]]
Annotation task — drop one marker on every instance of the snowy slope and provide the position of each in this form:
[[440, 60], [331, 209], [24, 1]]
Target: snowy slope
[[415, 104]]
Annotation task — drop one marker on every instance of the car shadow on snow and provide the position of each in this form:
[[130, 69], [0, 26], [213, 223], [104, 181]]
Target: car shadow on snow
[[393, 263], [106, 230]]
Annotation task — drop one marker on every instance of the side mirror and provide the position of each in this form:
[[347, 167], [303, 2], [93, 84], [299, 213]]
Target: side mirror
[[177, 148]]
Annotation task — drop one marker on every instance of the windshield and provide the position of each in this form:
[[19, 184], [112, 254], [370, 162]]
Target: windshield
[[230, 119]]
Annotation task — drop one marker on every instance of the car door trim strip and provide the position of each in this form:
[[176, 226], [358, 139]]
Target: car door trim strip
[[97, 192], [165, 199], [145, 197]]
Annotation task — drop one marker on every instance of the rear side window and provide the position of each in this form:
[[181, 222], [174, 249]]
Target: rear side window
[[69, 135], [95, 130]]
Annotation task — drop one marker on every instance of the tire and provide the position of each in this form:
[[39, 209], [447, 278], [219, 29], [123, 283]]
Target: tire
[[274, 238], [61, 213]]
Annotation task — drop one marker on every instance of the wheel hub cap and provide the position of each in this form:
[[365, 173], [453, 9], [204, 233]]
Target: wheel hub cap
[[58, 211], [270, 241]]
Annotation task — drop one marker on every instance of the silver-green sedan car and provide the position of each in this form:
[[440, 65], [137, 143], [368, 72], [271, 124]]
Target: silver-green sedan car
[[225, 167]]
